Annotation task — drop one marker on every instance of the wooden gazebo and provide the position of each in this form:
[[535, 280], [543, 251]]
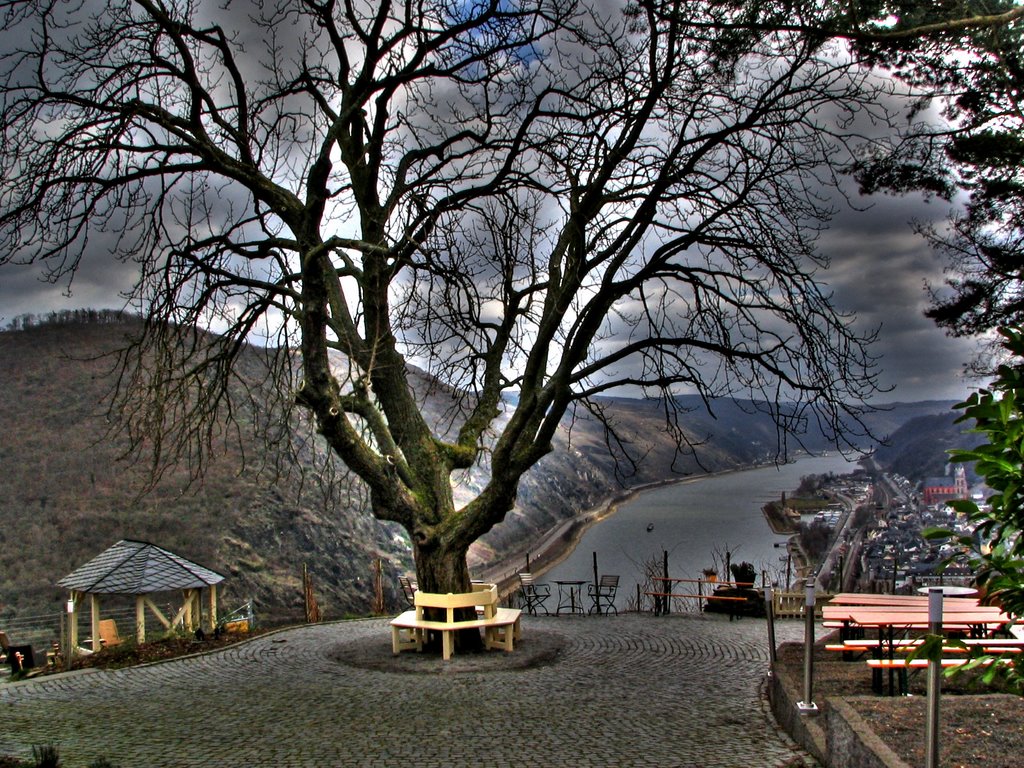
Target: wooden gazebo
[[141, 569]]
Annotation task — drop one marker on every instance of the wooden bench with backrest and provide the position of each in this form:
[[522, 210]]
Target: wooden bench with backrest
[[501, 625]]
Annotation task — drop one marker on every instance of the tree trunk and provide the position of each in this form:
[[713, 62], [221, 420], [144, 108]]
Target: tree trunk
[[443, 570]]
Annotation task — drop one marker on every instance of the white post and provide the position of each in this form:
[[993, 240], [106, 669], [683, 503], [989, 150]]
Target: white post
[[72, 636]]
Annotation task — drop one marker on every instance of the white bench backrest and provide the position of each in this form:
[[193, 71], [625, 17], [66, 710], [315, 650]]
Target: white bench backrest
[[486, 597]]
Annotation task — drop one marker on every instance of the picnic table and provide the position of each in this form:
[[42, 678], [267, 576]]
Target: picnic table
[[893, 616], [975, 620], [901, 601], [850, 611]]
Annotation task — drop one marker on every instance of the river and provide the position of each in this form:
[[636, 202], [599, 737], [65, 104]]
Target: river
[[693, 520]]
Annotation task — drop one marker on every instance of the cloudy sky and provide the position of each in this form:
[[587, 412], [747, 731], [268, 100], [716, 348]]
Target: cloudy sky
[[879, 268]]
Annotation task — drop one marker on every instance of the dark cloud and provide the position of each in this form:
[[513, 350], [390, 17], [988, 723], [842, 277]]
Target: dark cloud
[[879, 270]]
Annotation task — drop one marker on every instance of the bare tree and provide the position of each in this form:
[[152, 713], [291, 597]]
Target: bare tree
[[538, 203]]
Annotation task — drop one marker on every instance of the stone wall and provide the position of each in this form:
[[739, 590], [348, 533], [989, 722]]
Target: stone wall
[[837, 736]]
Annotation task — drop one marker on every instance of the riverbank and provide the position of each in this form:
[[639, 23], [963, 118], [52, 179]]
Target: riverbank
[[692, 518], [557, 544], [782, 524], [778, 520]]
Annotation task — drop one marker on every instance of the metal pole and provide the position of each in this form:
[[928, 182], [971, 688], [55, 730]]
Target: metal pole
[[807, 706], [597, 588], [664, 569], [770, 613], [931, 731]]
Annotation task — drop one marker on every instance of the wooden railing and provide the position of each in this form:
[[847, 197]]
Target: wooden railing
[[790, 605]]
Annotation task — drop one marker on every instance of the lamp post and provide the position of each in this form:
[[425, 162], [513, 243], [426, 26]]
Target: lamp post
[[807, 705], [931, 753], [69, 647]]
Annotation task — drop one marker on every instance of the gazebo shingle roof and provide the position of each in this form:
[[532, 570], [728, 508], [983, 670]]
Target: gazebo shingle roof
[[138, 568]]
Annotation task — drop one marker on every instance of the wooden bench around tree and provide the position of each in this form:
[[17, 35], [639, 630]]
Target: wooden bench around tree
[[501, 625]]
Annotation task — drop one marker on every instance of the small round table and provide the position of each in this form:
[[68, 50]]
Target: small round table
[[570, 596], [951, 590]]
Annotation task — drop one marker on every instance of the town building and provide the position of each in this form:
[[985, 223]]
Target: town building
[[938, 490]]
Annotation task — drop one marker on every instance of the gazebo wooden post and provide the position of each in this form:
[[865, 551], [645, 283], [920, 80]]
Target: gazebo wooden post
[[212, 619], [187, 619], [94, 602], [140, 619]]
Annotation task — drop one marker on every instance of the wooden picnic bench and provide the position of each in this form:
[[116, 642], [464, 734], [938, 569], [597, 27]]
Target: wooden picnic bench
[[902, 665], [667, 592], [989, 644], [879, 649], [501, 625]]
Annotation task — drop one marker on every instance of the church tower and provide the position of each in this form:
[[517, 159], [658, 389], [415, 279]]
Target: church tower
[[960, 481]]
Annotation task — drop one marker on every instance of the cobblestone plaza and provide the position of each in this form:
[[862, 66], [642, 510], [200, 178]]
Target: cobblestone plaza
[[630, 690]]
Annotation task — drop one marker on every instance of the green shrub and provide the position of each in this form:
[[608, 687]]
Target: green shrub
[[46, 756]]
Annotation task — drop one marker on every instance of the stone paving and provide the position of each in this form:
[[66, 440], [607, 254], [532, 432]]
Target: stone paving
[[631, 690]]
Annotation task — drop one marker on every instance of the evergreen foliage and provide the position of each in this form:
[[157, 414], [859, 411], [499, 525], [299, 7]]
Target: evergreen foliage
[[974, 74], [997, 546]]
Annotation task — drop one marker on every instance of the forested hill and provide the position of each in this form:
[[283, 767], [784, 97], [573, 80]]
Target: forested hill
[[65, 496], [920, 447]]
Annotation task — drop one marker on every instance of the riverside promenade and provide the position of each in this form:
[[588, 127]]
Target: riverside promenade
[[630, 690]]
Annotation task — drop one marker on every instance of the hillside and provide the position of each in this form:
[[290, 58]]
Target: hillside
[[65, 495], [919, 448]]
